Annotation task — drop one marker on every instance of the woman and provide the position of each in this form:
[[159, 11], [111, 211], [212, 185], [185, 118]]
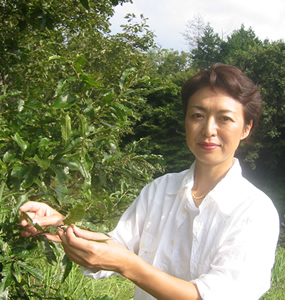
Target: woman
[[204, 233]]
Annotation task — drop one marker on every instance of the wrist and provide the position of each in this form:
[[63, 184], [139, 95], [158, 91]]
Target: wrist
[[134, 268]]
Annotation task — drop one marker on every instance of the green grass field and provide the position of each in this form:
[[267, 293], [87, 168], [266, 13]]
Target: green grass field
[[78, 287]]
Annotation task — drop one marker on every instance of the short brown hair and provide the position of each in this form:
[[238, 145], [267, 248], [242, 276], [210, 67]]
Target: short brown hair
[[233, 82]]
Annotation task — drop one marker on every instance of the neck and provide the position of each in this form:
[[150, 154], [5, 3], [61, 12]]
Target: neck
[[206, 177]]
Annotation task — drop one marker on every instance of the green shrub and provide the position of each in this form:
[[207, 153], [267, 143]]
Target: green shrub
[[64, 151]]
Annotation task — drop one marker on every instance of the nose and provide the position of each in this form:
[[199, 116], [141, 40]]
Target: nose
[[210, 127]]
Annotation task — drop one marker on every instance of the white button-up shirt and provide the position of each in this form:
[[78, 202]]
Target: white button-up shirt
[[226, 246]]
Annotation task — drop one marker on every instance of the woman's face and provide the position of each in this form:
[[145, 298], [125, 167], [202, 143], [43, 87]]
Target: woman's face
[[214, 125]]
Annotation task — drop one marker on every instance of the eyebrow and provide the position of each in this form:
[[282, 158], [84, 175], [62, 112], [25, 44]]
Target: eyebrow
[[223, 111]]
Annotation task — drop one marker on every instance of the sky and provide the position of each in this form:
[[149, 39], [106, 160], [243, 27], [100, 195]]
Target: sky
[[168, 18]]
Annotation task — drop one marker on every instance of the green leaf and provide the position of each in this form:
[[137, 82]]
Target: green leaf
[[83, 125], [35, 272], [85, 4], [7, 276], [61, 192], [123, 79], [66, 129], [65, 100], [115, 2], [54, 57], [27, 218], [47, 249], [59, 172], [9, 156], [2, 189], [21, 143], [90, 80], [83, 165], [17, 272], [42, 163], [76, 214], [108, 97], [67, 267], [79, 63], [30, 176]]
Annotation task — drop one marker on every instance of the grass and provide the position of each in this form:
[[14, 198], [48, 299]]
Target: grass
[[120, 288], [78, 287], [277, 290]]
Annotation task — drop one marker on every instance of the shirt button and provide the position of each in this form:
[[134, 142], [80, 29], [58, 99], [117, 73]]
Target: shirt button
[[172, 242], [184, 211]]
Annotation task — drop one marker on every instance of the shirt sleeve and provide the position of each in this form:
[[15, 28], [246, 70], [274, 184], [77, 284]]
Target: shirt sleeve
[[241, 269]]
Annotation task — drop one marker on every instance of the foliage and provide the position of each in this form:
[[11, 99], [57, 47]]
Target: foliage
[[208, 49], [32, 272], [239, 40], [265, 65], [170, 62], [161, 127], [29, 25], [63, 116], [66, 149]]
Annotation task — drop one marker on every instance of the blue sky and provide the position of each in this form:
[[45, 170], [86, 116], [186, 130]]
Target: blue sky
[[168, 18]]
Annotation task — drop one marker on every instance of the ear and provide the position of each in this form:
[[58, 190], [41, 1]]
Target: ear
[[247, 130]]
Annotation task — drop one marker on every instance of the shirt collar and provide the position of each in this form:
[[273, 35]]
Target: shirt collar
[[225, 193]]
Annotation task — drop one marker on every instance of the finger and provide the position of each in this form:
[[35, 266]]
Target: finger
[[32, 232], [88, 235], [68, 238], [53, 237], [53, 220], [77, 249], [29, 231], [31, 206], [23, 221]]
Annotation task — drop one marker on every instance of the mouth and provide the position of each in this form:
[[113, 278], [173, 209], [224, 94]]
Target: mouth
[[208, 146]]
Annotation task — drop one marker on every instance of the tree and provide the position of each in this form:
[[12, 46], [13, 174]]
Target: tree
[[170, 62], [194, 31], [239, 40], [64, 109], [161, 125], [208, 49], [265, 65]]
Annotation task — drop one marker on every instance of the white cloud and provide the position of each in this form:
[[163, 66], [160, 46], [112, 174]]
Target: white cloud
[[168, 18]]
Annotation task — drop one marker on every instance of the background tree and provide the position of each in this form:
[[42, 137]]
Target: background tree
[[208, 49], [265, 65], [239, 40], [161, 124], [194, 31]]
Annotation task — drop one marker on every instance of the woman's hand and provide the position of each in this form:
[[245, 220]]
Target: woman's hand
[[94, 250], [43, 215]]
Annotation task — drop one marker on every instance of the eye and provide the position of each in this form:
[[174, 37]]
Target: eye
[[227, 119], [197, 116]]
